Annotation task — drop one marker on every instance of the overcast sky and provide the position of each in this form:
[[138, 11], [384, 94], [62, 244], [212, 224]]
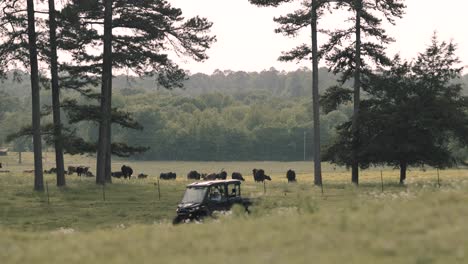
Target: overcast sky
[[246, 38]]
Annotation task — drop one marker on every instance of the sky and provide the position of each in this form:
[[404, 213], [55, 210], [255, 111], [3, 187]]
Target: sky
[[246, 39]]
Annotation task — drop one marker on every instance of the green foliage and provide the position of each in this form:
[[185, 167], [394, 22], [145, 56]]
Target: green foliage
[[412, 114]]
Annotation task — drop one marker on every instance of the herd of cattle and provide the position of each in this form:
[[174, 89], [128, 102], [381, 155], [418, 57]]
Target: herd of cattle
[[258, 176], [127, 172]]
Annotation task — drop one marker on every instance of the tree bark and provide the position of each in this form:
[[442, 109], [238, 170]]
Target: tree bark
[[403, 168], [58, 141], [315, 97], [357, 95], [103, 157], [36, 104]]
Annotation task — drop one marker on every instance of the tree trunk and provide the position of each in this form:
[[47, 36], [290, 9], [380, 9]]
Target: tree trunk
[[103, 158], [357, 95], [56, 96], [315, 98], [36, 104], [20, 160], [403, 167]]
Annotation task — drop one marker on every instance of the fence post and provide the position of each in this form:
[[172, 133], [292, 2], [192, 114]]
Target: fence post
[[47, 191], [264, 187], [438, 177], [159, 192], [381, 179]]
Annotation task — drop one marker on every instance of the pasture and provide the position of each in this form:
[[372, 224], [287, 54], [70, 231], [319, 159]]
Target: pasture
[[290, 223]]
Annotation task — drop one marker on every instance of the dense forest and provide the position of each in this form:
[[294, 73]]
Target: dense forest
[[223, 116]]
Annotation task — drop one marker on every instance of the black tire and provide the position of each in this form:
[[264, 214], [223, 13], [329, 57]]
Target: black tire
[[177, 220]]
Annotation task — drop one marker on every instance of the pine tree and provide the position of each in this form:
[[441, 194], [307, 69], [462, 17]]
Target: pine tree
[[355, 58], [57, 139], [156, 26], [36, 112], [412, 112], [290, 25]]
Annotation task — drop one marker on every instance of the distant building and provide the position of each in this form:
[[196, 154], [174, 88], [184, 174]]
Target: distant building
[[3, 151]]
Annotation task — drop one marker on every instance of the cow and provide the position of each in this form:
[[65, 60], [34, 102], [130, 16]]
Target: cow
[[117, 174], [210, 177], [71, 170], [291, 175], [51, 171], [81, 170], [259, 175], [168, 176], [193, 175], [142, 176], [237, 176], [89, 174], [127, 171], [221, 176]]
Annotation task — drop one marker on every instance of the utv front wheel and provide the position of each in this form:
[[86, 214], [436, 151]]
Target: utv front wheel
[[177, 220]]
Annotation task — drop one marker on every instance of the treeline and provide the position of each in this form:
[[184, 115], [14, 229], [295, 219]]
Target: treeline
[[220, 122], [252, 125]]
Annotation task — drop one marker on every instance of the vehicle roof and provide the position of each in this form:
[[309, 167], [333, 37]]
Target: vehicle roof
[[209, 183]]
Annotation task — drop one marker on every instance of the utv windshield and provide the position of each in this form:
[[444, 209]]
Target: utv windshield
[[194, 195]]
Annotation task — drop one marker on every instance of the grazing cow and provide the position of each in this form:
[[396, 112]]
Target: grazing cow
[[142, 176], [81, 170], [117, 174], [168, 176], [127, 171], [221, 176], [259, 175], [193, 175], [89, 174], [211, 177], [71, 170], [51, 171], [291, 175], [237, 176]]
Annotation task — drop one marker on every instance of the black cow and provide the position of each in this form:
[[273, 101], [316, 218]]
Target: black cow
[[142, 176], [210, 177], [291, 175], [127, 171], [193, 175], [259, 175], [237, 176], [71, 170], [89, 174], [51, 171], [81, 170], [168, 176], [221, 176], [117, 174]]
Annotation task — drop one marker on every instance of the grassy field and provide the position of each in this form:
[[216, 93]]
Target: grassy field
[[290, 223]]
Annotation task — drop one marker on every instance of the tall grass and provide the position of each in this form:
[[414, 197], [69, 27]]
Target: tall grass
[[290, 223]]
